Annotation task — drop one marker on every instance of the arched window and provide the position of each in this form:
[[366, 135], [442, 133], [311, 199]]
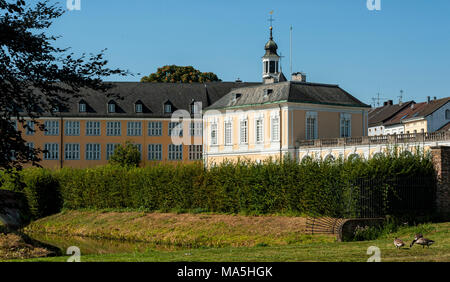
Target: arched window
[[353, 157], [138, 107], [307, 159], [378, 155], [111, 107], [329, 158]]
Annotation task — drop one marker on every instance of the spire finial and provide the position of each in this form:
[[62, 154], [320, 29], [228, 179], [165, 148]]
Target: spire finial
[[271, 20]]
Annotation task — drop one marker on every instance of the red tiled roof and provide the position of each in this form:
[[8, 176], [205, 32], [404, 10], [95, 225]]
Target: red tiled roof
[[412, 111]]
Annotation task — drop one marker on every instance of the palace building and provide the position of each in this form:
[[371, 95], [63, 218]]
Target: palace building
[[220, 120], [85, 133], [271, 119]]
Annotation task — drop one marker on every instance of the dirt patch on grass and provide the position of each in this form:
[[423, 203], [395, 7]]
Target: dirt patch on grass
[[187, 230], [20, 246]]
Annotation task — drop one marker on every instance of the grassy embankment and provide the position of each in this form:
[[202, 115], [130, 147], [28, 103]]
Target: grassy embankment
[[207, 237]]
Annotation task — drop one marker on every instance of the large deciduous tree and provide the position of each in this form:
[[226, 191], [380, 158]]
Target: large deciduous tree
[[173, 74], [35, 76]]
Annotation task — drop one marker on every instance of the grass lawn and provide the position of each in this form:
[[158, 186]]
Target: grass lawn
[[327, 252], [250, 239]]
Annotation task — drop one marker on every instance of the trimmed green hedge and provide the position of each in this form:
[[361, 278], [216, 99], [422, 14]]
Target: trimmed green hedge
[[309, 187]]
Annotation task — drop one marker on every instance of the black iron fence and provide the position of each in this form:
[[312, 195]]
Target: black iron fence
[[398, 196], [402, 197]]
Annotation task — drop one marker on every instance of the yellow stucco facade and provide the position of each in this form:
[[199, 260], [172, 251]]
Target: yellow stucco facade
[[416, 126], [144, 139], [292, 128]]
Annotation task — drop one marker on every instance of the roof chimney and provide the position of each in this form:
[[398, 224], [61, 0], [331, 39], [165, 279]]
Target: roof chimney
[[434, 98], [238, 80], [299, 76], [428, 99], [388, 103]]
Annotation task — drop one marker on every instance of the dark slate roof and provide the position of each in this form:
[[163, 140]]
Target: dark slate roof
[[153, 96], [380, 115], [289, 91]]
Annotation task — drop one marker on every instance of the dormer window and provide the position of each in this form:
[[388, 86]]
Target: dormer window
[[111, 107], [267, 92], [82, 107], [167, 108], [236, 96], [138, 107]]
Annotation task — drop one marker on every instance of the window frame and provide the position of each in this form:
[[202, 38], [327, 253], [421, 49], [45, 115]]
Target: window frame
[[93, 130]]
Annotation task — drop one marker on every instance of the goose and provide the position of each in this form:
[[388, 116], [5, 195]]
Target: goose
[[398, 243], [416, 237], [424, 242]]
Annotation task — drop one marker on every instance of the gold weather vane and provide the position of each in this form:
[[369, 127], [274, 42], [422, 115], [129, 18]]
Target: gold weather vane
[[271, 19]]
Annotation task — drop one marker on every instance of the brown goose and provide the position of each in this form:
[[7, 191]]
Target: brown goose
[[416, 237], [424, 242], [398, 243]]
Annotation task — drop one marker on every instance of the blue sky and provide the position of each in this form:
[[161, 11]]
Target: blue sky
[[405, 45]]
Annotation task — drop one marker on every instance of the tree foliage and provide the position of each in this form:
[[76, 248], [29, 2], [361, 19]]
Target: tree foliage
[[35, 76], [173, 74], [126, 155]]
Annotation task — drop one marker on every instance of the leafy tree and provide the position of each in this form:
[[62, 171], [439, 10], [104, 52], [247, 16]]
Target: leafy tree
[[173, 73], [35, 76], [126, 155]]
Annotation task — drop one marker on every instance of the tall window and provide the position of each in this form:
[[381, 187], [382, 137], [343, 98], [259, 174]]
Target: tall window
[[275, 129], [195, 152], [93, 152], [244, 132], [195, 108], [175, 152], [138, 108], [72, 151], [345, 125], [139, 147], [93, 128], [154, 152], [228, 133], [272, 67], [72, 128], [447, 114], [111, 107], [311, 125], [110, 148], [30, 146], [214, 134], [82, 107], [113, 128], [175, 129], [259, 130], [155, 128], [51, 151], [134, 128], [51, 127], [196, 129], [167, 108], [30, 127]]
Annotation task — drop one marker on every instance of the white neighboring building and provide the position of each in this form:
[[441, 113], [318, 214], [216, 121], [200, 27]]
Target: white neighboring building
[[398, 128], [379, 116]]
